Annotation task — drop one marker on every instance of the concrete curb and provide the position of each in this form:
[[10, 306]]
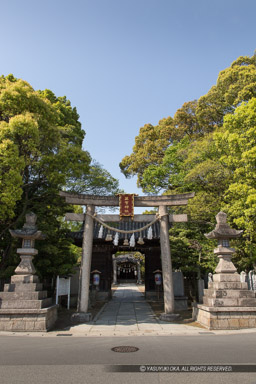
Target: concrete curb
[[101, 334]]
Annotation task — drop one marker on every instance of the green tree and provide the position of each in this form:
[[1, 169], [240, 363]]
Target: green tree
[[41, 153], [10, 187], [149, 148], [96, 181], [194, 119], [237, 144], [191, 252], [210, 150]]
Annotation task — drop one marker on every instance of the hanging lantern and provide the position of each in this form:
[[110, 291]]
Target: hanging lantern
[[109, 237], [150, 233], [116, 239], [100, 235]]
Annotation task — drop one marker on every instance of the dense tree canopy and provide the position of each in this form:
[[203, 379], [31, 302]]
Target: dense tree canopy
[[40, 154], [149, 148], [211, 150]]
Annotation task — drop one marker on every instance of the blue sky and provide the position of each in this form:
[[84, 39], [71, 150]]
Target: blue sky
[[123, 63]]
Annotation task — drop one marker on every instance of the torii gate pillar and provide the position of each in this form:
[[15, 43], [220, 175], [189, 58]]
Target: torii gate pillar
[[169, 314], [83, 300]]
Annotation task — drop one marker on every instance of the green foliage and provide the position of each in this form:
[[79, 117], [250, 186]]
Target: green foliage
[[40, 154], [96, 181], [190, 251], [11, 167], [194, 119], [237, 144], [149, 148], [211, 150]]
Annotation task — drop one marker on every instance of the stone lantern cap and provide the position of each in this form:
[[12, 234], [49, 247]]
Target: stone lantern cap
[[222, 229], [29, 229], [95, 271]]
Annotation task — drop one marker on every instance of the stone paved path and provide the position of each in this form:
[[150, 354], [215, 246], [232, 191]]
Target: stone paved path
[[128, 313]]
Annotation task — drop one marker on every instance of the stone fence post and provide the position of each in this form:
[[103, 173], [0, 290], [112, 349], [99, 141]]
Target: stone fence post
[[210, 279], [200, 290], [243, 277], [252, 280]]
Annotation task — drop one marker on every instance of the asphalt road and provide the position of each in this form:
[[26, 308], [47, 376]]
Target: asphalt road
[[64, 359]]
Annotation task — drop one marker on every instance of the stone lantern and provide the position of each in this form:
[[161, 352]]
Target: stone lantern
[[24, 305], [227, 303], [28, 234], [223, 233]]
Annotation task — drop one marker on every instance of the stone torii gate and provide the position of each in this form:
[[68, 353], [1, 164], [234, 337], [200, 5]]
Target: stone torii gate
[[162, 202]]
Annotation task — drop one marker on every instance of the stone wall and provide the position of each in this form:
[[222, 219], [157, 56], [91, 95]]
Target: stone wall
[[232, 318], [22, 320]]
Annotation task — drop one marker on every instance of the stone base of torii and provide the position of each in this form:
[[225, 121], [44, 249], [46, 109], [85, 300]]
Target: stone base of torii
[[162, 202]]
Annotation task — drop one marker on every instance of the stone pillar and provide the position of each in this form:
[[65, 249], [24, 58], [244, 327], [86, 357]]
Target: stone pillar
[[250, 285], [254, 281], [138, 272], [166, 266], [114, 271], [243, 277], [200, 289], [83, 315]]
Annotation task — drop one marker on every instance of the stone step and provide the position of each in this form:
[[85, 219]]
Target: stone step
[[26, 304], [23, 295], [227, 285], [24, 279], [229, 302], [231, 293], [226, 277], [247, 302], [18, 287]]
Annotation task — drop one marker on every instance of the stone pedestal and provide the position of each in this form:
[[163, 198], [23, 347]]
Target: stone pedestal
[[81, 317], [169, 316], [227, 304], [24, 306]]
